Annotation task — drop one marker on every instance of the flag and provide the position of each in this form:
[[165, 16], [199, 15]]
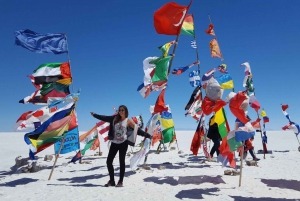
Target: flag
[[50, 131], [225, 81], [41, 43], [221, 120], [160, 103], [188, 25], [196, 142], [254, 103], [264, 116], [207, 76], [194, 78], [165, 48], [167, 126], [207, 155], [160, 73], [194, 104], [178, 71], [144, 90], [29, 120], [193, 44], [215, 49], [102, 129], [53, 101], [55, 89], [51, 72], [244, 133], [138, 120], [210, 30], [77, 157], [169, 18], [235, 104], [70, 143], [35, 98], [222, 68]]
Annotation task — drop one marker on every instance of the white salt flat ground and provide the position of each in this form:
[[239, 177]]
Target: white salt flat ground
[[185, 178]]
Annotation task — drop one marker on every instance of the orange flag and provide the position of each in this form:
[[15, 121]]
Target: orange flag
[[215, 49]]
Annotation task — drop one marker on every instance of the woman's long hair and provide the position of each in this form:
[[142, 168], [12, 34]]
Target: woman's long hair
[[118, 116]]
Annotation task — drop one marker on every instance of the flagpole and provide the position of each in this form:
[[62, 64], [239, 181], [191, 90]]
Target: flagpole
[[60, 148], [197, 54], [241, 166], [222, 59], [262, 141], [69, 59], [176, 41]]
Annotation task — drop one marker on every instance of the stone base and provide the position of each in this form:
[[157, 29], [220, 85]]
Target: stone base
[[251, 163]]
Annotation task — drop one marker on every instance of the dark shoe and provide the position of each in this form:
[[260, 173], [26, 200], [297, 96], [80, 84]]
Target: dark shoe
[[110, 183], [256, 159], [120, 184]]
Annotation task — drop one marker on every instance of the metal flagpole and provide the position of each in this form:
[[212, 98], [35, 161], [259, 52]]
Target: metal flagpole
[[261, 136], [69, 59], [197, 54]]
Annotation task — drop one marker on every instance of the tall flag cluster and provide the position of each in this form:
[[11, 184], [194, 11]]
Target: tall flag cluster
[[50, 125], [253, 102]]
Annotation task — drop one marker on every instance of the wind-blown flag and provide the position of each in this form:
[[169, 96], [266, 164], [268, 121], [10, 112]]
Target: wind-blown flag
[[165, 48], [215, 49], [50, 131], [193, 44], [35, 98], [51, 72], [210, 30], [89, 139], [264, 116], [194, 104], [199, 133], [222, 68], [41, 43], [178, 71], [235, 104], [32, 119], [291, 125], [225, 81], [207, 76], [221, 120], [160, 103], [194, 78], [144, 90], [160, 72], [188, 25], [55, 89], [167, 126], [138, 120], [53, 101], [244, 133], [169, 18], [254, 103], [77, 157]]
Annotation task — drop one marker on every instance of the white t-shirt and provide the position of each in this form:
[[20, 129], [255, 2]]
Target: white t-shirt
[[120, 132]]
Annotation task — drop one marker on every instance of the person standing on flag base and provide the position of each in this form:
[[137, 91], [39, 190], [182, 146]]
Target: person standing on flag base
[[122, 132], [214, 135]]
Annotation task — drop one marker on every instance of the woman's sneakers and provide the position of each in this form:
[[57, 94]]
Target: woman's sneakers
[[110, 183], [120, 184], [256, 159]]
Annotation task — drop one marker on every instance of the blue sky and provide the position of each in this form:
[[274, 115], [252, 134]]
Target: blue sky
[[108, 40]]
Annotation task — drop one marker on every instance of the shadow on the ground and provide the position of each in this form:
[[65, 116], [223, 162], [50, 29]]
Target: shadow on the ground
[[76, 185], [82, 179], [239, 198], [185, 180], [281, 183], [22, 181], [195, 193]]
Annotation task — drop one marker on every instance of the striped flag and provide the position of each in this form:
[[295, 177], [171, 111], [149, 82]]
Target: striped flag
[[193, 44], [205, 148], [102, 129]]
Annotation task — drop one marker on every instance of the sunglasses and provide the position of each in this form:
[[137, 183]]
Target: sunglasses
[[121, 110]]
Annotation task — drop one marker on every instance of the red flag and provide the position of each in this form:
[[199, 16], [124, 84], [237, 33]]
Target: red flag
[[284, 107], [160, 103], [236, 109], [169, 18], [196, 142], [210, 30]]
